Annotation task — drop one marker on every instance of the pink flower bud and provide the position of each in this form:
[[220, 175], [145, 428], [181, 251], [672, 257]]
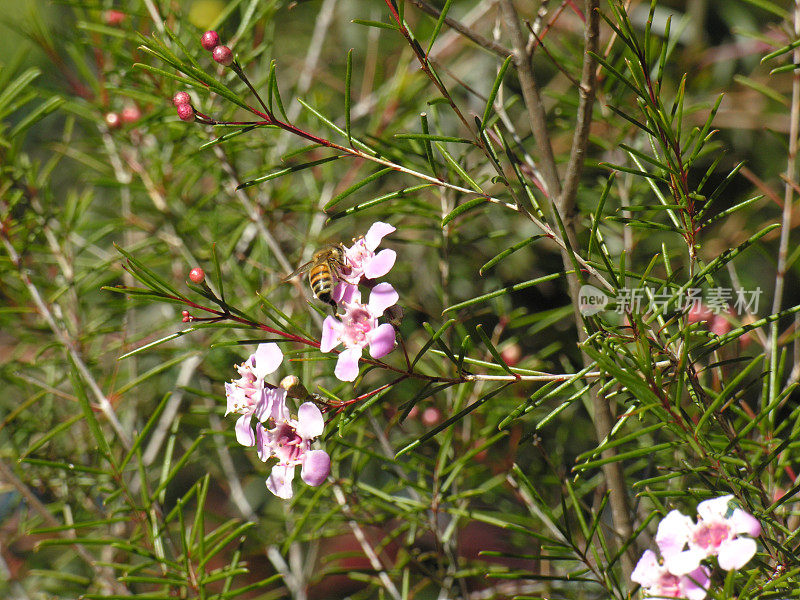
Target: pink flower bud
[[698, 312], [511, 354], [181, 98], [113, 17], [223, 55], [131, 114], [197, 275], [112, 120], [185, 112], [720, 325], [431, 416], [210, 40]]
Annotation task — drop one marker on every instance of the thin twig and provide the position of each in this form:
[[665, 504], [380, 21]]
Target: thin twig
[[533, 101], [476, 37], [369, 552], [64, 340], [602, 417], [33, 503], [786, 219]]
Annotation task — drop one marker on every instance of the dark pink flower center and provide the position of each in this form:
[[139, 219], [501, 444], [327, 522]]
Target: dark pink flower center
[[359, 324], [669, 586], [288, 445], [711, 535]]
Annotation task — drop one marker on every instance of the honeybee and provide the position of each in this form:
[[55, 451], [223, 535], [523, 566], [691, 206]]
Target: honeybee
[[323, 269]]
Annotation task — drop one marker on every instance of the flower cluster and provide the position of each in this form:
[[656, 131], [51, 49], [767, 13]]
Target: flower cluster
[[684, 543], [358, 325], [289, 439]]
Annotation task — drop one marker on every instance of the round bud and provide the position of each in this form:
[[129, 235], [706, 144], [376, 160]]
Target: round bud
[[223, 55], [197, 275], [184, 313], [113, 17], [131, 114], [185, 112], [210, 40], [294, 387], [431, 416], [112, 120], [186, 319], [181, 98], [511, 354]]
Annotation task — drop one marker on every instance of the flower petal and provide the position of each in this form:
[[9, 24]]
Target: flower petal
[[694, 586], [376, 233], [673, 533], [716, 508], [266, 359], [263, 448], [734, 554], [331, 329], [230, 396], [380, 264], [244, 433], [309, 421], [271, 404], [647, 570], [382, 297], [347, 365], [316, 467], [381, 340], [744, 522], [280, 481], [682, 563]]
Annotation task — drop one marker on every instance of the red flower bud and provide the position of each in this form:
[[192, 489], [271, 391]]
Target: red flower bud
[[197, 275], [113, 17], [431, 416], [210, 40], [223, 55], [185, 112], [181, 98], [131, 114]]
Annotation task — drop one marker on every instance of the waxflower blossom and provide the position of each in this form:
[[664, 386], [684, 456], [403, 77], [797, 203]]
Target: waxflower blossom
[[249, 396], [717, 533], [290, 442], [359, 327], [362, 261], [658, 582]]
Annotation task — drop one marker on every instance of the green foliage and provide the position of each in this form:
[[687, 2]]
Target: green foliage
[[477, 459]]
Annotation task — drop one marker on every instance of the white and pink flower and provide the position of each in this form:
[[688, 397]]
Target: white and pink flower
[[657, 581], [718, 533], [290, 442], [249, 396], [363, 262], [359, 327]]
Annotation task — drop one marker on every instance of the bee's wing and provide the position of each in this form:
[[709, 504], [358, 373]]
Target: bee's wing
[[298, 271]]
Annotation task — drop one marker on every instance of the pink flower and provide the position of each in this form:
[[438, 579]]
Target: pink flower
[[249, 396], [290, 442], [358, 328], [717, 533], [362, 260], [658, 582]]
